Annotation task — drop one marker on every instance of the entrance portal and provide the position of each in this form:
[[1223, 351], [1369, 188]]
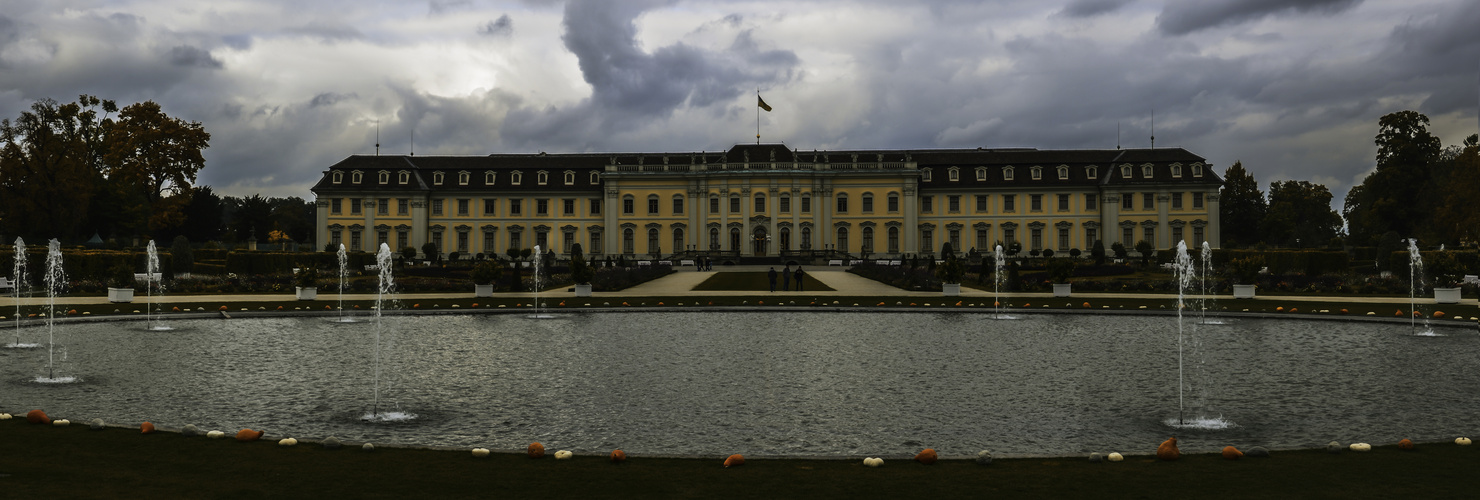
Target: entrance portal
[[762, 242]]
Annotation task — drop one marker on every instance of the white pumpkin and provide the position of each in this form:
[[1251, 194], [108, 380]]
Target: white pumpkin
[[61, 422], [367, 447], [480, 452], [873, 461], [215, 434], [1114, 457], [1361, 447], [1462, 441], [562, 454], [4, 416], [288, 442]]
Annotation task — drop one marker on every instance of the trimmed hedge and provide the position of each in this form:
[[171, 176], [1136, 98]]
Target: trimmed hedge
[[85, 264], [247, 262]]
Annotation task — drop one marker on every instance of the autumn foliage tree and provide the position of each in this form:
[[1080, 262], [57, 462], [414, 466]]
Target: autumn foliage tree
[[154, 157]]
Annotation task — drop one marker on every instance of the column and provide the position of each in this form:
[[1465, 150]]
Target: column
[[825, 236], [1163, 230], [419, 223], [1214, 232], [321, 219], [745, 203], [368, 242], [611, 234], [910, 207], [1109, 219]]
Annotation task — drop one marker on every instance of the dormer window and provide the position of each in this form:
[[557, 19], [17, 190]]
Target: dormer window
[[541, 177], [489, 178], [981, 174], [436, 178], [1007, 173], [1197, 169], [516, 177], [925, 175], [356, 177], [1036, 172], [595, 177], [463, 178], [385, 177], [1063, 172], [954, 174], [404, 177], [570, 178], [338, 177], [1092, 172], [1176, 170], [1125, 171], [1146, 171]]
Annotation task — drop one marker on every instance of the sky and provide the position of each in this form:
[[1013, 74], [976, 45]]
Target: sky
[[1291, 88]]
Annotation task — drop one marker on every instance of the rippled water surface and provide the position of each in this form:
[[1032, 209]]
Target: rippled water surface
[[789, 383]]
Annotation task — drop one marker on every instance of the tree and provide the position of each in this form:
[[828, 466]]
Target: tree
[[1394, 197], [580, 271], [180, 254], [1145, 249], [1098, 252], [155, 156], [1241, 207], [49, 168], [1119, 249], [1299, 215], [1456, 220], [202, 215]]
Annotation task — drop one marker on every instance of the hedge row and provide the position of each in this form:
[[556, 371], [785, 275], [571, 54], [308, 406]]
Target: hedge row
[[1280, 262], [83, 264], [259, 262], [1398, 261]]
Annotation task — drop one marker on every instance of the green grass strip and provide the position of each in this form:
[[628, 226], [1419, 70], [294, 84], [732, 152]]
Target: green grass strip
[[757, 282]]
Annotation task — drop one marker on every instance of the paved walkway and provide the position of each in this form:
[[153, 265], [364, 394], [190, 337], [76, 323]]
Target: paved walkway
[[683, 282]]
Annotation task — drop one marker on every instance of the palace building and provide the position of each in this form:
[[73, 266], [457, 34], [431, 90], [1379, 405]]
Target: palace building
[[758, 200]]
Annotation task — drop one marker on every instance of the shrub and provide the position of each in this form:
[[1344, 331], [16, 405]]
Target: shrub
[[408, 253], [121, 276], [1245, 271], [486, 272], [308, 276], [180, 251], [430, 250], [950, 271], [1060, 270], [580, 271]]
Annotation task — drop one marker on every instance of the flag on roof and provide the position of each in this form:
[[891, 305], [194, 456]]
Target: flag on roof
[[762, 103]]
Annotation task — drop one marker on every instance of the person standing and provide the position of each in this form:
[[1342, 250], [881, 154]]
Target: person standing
[[799, 278], [786, 278], [771, 276]]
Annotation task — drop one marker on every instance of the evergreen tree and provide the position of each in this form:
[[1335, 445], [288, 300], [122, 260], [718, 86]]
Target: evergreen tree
[[1241, 207]]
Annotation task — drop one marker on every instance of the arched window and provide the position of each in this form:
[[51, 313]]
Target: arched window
[[462, 178], [843, 239], [1125, 171], [678, 243], [516, 177], [570, 178], [714, 238], [1007, 174], [1177, 171], [981, 174], [489, 178], [1063, 172], [734, 238], [437, 179], [595, 177], [1036, 173], [542, 177], [404, 177], [385, 177], [1092, 172], [868, 239], [925, 175], [338, 177], [356, 177], [893, 240], [627, 243], [1146, 171], [785, 238], [806, 238], [868, 203], [954, 174], [653, 241]]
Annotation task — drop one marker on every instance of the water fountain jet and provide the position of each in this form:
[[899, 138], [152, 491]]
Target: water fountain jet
[[56, 279], [343, 272], [18, 273], [151, 267], [384, 293]]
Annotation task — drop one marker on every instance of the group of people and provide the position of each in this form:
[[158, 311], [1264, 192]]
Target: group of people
[[786, 277], [703, 264]]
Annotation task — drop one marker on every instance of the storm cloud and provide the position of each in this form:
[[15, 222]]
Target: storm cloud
[[1183, 17]]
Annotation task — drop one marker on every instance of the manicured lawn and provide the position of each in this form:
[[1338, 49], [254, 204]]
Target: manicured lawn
[[757, 281], [42, 461]]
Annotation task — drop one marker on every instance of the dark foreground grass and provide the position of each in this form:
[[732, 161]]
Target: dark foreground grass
[[73, 462], [757, 282]]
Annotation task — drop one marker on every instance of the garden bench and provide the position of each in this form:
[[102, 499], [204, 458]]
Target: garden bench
[[835, 262], [665, 262], [896, 262], [5, 284], [1469, 279], [146, 277], [641, 263], [686, 262]]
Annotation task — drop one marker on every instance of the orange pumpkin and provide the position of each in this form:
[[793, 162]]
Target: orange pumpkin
[[1168, 450], [1344, 311], [146, 428], [1232, 453], [37, 417], [1279, 309], [536, 450], [248, 435], [735, 460], [223, 308], [927, 456], [1399, 313], [618, 456], [1405, 444], [1438, 314], [1086, 304], [1294, 309]]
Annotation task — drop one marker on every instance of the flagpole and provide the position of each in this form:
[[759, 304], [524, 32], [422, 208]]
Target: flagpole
[[757, 116]]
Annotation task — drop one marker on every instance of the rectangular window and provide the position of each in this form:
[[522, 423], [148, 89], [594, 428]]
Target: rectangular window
[[1090, 204], [893, 203], [1197, 200], [806, 204], [462, 207], [868, 204], [1090, 236], [1197, 235], [354, 240], [981, 239], [927, 240], [336, 238], [1127, 237], [401, 206], [1176, 235], [842, 204], [678, 206], [462, 241], [490, 206], [652, 206], [383, 206], [1009, 236], [596, 243], [568, 206], [335, 206], [488, 243], [1063, 203], [516, 240], [542, 207], [1036, 202], [1063, 239], [1037, 241], [981, 203], [403, 239], [436, 207], [1126, 200], [760, 204], [927, 204], [1176, 201], [955, 239], [1008, 203], [1149, 234], [714, 205], [953, 204], [568, 240], [628, 205], [734, 204], [516, 207], [382, 238], [542, 238], [595, 206], [354, 206], [1148, 201], [785, 204]]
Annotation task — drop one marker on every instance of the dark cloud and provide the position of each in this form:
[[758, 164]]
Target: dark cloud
[[328, 99], [237, 42], [1091, 8], [1180, 18], [190, 56], [503, 26], [440, 7], [326, 32], [1436, 54], [9, 30]]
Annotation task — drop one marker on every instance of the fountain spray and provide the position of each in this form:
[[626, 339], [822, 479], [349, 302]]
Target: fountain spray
[[997, 283], [387, 287], [19, 273], [55, 280], [1185, 270], [1207, 266], [343, 264], [151, 266]]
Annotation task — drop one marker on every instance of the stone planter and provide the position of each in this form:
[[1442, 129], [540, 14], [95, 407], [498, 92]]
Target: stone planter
[[480, 291], [1243, 291], [120, 295], [950, 289], [583, 290], [306, 292], [1061, 289], [1446, 295]]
